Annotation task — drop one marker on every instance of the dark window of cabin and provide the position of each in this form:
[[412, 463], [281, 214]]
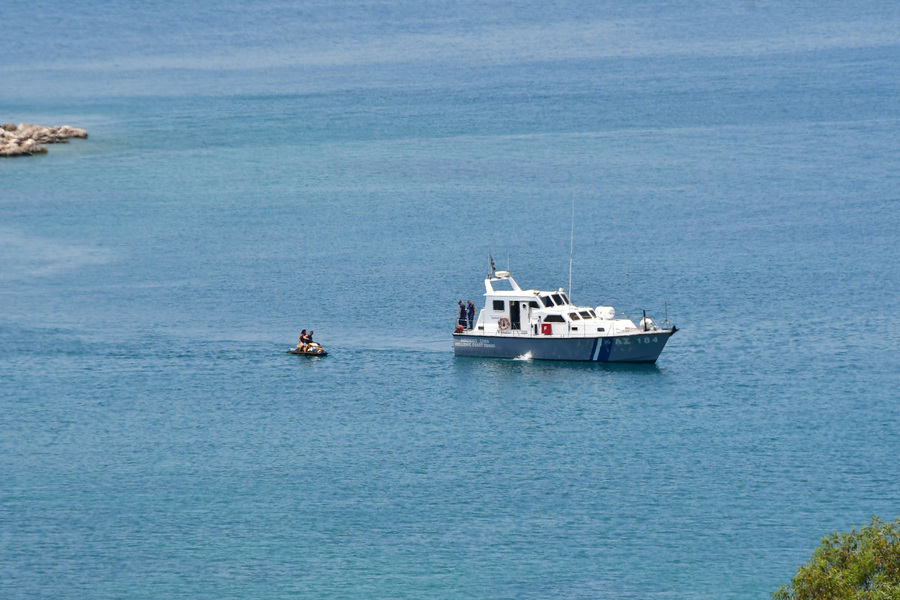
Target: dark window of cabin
[[558, 299], [585, 314], [601, 329], [565, 299], [499, 304], [533, 304], [574, 316], [593, 314], [554, 319], [547, 301]]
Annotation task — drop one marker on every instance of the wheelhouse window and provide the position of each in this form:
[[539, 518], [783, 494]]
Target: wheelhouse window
[[499, 304], [585, 314], [547, 301], [558, 299], [533, 304], [565, 299], [554, 319]]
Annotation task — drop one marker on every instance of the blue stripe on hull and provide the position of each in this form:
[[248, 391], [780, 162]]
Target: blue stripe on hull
[[605, 349]]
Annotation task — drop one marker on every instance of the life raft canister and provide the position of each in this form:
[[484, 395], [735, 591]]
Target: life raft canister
[[503, 323]]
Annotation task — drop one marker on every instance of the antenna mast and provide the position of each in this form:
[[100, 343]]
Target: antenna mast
[[572, 245]]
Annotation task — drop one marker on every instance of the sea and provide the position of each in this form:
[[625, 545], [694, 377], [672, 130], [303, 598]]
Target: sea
[[351, 167]]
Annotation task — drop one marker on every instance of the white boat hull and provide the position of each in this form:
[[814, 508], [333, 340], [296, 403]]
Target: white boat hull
[[630, 348]]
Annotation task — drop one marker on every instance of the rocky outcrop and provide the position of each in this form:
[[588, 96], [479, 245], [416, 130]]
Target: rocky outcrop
[[26, 139]]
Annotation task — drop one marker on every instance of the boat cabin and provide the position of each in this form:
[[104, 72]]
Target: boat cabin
[[511, 311]]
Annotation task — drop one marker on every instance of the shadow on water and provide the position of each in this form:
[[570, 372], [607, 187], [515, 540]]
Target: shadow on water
[[502, 366]]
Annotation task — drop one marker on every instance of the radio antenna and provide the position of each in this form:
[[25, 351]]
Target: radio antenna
[[572, 245]]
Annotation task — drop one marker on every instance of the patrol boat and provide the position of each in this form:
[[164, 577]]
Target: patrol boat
[[547, 326]]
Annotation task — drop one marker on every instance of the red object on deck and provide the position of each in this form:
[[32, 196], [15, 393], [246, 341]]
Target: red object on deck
[[546, 328]]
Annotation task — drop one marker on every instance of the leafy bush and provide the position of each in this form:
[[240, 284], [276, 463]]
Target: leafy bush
[[862, 565]]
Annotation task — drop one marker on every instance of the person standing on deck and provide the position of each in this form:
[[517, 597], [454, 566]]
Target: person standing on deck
[[470, 314], [461, 317]]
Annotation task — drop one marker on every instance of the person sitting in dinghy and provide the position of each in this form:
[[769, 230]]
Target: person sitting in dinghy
[[304, 340]]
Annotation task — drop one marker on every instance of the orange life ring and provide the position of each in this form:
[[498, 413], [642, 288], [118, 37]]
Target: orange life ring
[[503, 323]]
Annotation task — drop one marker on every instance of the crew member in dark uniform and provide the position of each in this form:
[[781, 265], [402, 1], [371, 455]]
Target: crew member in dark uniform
[[461, 317]]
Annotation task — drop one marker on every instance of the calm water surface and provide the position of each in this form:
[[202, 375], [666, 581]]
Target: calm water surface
[[257, 169]]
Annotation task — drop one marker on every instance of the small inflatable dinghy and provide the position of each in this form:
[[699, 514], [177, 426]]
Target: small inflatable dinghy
[[313, 349]]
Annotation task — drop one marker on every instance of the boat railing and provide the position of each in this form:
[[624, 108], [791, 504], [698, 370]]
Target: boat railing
[[612, 327]]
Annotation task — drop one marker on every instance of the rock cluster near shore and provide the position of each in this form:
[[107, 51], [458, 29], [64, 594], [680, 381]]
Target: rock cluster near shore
[[25, 139]]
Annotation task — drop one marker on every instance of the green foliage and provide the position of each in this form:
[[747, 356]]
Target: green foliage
[[863, 565]]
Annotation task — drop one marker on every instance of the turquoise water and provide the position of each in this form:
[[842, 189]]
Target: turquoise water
[[255, 169]]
